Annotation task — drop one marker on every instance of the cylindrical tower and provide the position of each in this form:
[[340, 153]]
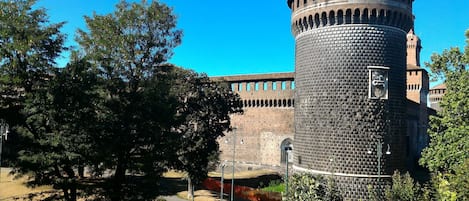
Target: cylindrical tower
[[343, 128]]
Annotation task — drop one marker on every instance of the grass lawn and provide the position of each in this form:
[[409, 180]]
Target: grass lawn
[[278, 187], [15, 188]]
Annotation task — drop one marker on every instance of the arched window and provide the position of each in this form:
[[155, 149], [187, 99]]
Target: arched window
[[305, 23], [286, 150], [300, 23], [348, 16], [365, 16], [374, 16], [324, 19], [332, 18], [310, 21], [381, 17], [317, 21], [356, 16], [340, 17]]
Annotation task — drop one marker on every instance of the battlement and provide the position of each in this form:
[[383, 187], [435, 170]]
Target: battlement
[[313, 14], [299, 4], [263, 90]]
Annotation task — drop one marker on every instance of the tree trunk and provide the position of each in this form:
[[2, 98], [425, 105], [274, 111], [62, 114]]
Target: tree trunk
[[70, 192], [73, 192], [66, 194], [81, 171], [118, 181]]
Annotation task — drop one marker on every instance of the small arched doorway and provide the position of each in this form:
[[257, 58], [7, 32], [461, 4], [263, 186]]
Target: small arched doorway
[[286, 150]]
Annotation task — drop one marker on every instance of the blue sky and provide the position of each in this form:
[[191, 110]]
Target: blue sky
[[246, 36]]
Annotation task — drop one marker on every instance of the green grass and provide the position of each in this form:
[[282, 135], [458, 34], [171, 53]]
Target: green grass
[[275, 186]]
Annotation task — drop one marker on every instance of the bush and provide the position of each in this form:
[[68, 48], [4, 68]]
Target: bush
[[309, 187], [403, 188]]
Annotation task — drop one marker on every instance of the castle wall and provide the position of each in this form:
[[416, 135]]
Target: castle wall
[[266, 123]]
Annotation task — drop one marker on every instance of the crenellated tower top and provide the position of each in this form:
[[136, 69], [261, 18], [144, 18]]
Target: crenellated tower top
[[312, 14]]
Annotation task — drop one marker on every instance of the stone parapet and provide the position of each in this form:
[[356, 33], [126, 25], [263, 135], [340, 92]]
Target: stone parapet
[[309, 14]]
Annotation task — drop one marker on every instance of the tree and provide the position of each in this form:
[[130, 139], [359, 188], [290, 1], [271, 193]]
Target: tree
[[128, 47], [203, 113], [29, 44], [154, 116], [449, 145], [460, 181], [47, 108], [449, 130], [403, 188], [58, 120]]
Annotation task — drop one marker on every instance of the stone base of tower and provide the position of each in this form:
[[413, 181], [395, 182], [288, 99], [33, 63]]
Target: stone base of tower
[[355, 187]]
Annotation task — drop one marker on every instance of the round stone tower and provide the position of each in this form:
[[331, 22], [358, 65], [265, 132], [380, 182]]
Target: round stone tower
[[350, 102]]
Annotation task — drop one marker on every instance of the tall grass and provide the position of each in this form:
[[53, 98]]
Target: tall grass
[[277, 186]]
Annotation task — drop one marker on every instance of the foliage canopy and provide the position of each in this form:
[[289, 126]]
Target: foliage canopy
[[448, 152], [118, 108]]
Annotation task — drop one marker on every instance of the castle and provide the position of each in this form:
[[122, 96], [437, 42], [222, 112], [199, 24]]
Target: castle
[[328, 112]]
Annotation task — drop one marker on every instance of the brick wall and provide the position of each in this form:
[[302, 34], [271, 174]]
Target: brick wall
[[267, 120]]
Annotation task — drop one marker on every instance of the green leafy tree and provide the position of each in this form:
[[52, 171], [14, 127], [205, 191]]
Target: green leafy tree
[[203, 113], [45, 106], [459, 181], [58, 120], [129, 48], [449, 130], [154, 116], [403, 188], [29, 44], [449, 145]]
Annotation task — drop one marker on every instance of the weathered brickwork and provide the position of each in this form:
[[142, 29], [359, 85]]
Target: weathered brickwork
[[267, 123], [336, 124]]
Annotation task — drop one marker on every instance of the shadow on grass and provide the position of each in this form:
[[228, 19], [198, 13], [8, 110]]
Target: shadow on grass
[[254, 182], [172, 186]]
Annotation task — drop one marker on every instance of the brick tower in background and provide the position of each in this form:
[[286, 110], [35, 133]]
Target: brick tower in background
[[350, 97]]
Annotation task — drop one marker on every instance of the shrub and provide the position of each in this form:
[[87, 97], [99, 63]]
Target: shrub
[[275, 186], [403, 188], [309, 187]]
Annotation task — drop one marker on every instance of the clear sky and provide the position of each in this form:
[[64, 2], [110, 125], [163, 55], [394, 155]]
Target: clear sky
[[248, 36]]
